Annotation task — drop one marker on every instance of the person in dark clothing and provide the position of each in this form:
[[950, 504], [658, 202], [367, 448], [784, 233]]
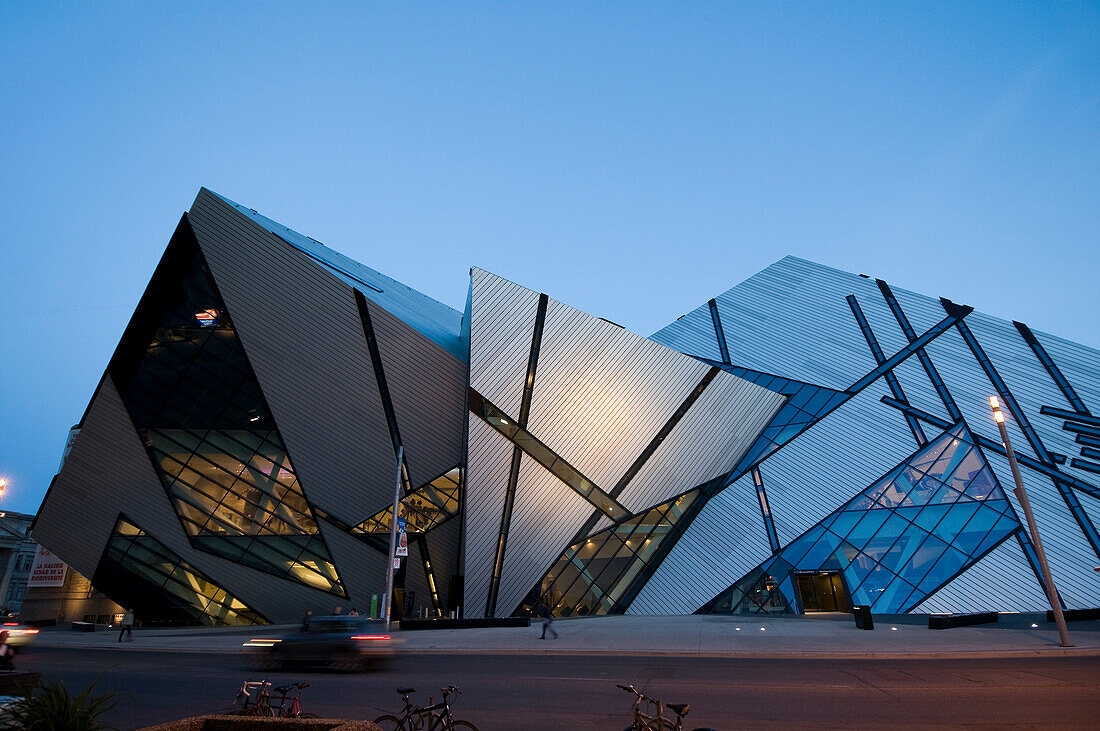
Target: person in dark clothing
[[127, 626], [306, 619], [547, 620]]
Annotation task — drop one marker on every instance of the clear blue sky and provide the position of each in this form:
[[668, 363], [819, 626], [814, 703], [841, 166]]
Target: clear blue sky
[[632, 159]]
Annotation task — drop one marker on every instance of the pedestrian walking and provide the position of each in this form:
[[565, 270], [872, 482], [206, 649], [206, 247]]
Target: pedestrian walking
[[127, 626], [547, 620], [306, 619], [354, 612], [6, 653]]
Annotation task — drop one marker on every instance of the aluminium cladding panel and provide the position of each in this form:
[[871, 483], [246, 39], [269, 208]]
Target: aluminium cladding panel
[[998, 580], [109, 472], [362, 569], [427, 386], [602, 393], [502, 321], [443, 547], [301, 331], [1068, 554], [546, 515], [429, 316], [724, 542], [488, 464], [693, 334], [1079, 364], [707, 442], [793, 320], [834, 460]]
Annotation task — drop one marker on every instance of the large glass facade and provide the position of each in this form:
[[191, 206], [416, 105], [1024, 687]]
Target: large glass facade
[[422, 509], [138, 571], [595, 575], [898, 541], [200, 412]]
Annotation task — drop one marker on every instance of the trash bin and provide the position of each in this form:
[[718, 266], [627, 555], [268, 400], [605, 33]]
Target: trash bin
[[863, 617]]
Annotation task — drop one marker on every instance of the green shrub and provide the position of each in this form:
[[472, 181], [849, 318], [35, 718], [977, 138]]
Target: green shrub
[[51, 707]]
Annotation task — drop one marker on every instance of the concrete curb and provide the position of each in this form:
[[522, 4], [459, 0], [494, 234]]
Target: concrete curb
[[777, 655]]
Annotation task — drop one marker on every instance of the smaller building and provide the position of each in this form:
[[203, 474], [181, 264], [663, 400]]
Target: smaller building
[[16, 559]]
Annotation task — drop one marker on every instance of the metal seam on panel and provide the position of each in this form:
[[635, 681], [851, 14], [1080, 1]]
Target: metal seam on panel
[[1052, 368], [954, 315], [765, 509], [669, 425], [513, 473], [922, 355], [891, 378], [590, 491], [718, 333], [1052, 472], [391, 420], [1070, 499]]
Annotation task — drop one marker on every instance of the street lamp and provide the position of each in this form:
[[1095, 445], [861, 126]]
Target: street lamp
[[1021, 495]]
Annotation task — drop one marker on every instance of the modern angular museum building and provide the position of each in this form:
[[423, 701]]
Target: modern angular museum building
[[807, 441]]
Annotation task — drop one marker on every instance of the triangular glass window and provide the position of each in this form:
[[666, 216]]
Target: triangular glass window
[[192, 395]]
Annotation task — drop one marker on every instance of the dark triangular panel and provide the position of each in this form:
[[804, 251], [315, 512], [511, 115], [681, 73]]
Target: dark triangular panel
[[196, 404]]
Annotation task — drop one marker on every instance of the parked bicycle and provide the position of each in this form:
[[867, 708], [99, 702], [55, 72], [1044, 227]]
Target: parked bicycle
[[258, 698], [433, 717], [646, 722]]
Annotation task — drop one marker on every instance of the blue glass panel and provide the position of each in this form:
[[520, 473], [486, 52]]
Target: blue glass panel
[[949, 563], [930, 515], [816, 557], [925, 458], [819, 401], [797, 548], [945, 496], [922, 559], [888, 599], [863, 503], [869, 522], [981, 485], [1005, 526], [842, 523], [952, 524], [970, 465], [786, 587], [949, 459], [923, 490]]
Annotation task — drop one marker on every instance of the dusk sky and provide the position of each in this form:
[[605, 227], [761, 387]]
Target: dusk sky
[[630, 159]]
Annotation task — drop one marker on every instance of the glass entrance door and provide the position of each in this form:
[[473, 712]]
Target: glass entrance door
[[823, 591]]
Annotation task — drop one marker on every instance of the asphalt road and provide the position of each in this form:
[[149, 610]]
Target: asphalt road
[[578, 692]]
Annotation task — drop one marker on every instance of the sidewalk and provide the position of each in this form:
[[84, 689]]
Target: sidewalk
[[828, 636]]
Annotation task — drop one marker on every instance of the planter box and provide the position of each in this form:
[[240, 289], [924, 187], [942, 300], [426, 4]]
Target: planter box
[[947, 621], [251, 723], [1075, 615], [465, 623]]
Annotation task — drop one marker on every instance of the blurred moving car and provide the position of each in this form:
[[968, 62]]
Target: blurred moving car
[[337, 642], [19, 635]]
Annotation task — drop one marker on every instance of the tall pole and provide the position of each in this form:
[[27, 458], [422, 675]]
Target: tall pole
[[387, 604], [1021, 495]]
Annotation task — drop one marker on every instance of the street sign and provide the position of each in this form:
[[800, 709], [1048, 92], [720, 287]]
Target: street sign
[[396, 563], [402, 538]]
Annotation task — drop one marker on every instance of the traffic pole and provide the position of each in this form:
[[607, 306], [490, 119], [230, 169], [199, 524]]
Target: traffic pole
[[387, 609]]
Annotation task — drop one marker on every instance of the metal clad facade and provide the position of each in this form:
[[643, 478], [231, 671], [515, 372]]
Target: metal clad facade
[[488, 465], [502, 319], [724, 542], [714, 434], [546, 515], [602, 393], [427, 386], [302, 334]]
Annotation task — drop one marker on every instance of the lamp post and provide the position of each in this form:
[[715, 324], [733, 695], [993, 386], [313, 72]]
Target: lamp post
[[1021, 495], [387, 608]]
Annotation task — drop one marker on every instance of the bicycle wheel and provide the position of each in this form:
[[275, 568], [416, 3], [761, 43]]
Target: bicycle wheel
[[660, 724], [389, 723], [464, 725]]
